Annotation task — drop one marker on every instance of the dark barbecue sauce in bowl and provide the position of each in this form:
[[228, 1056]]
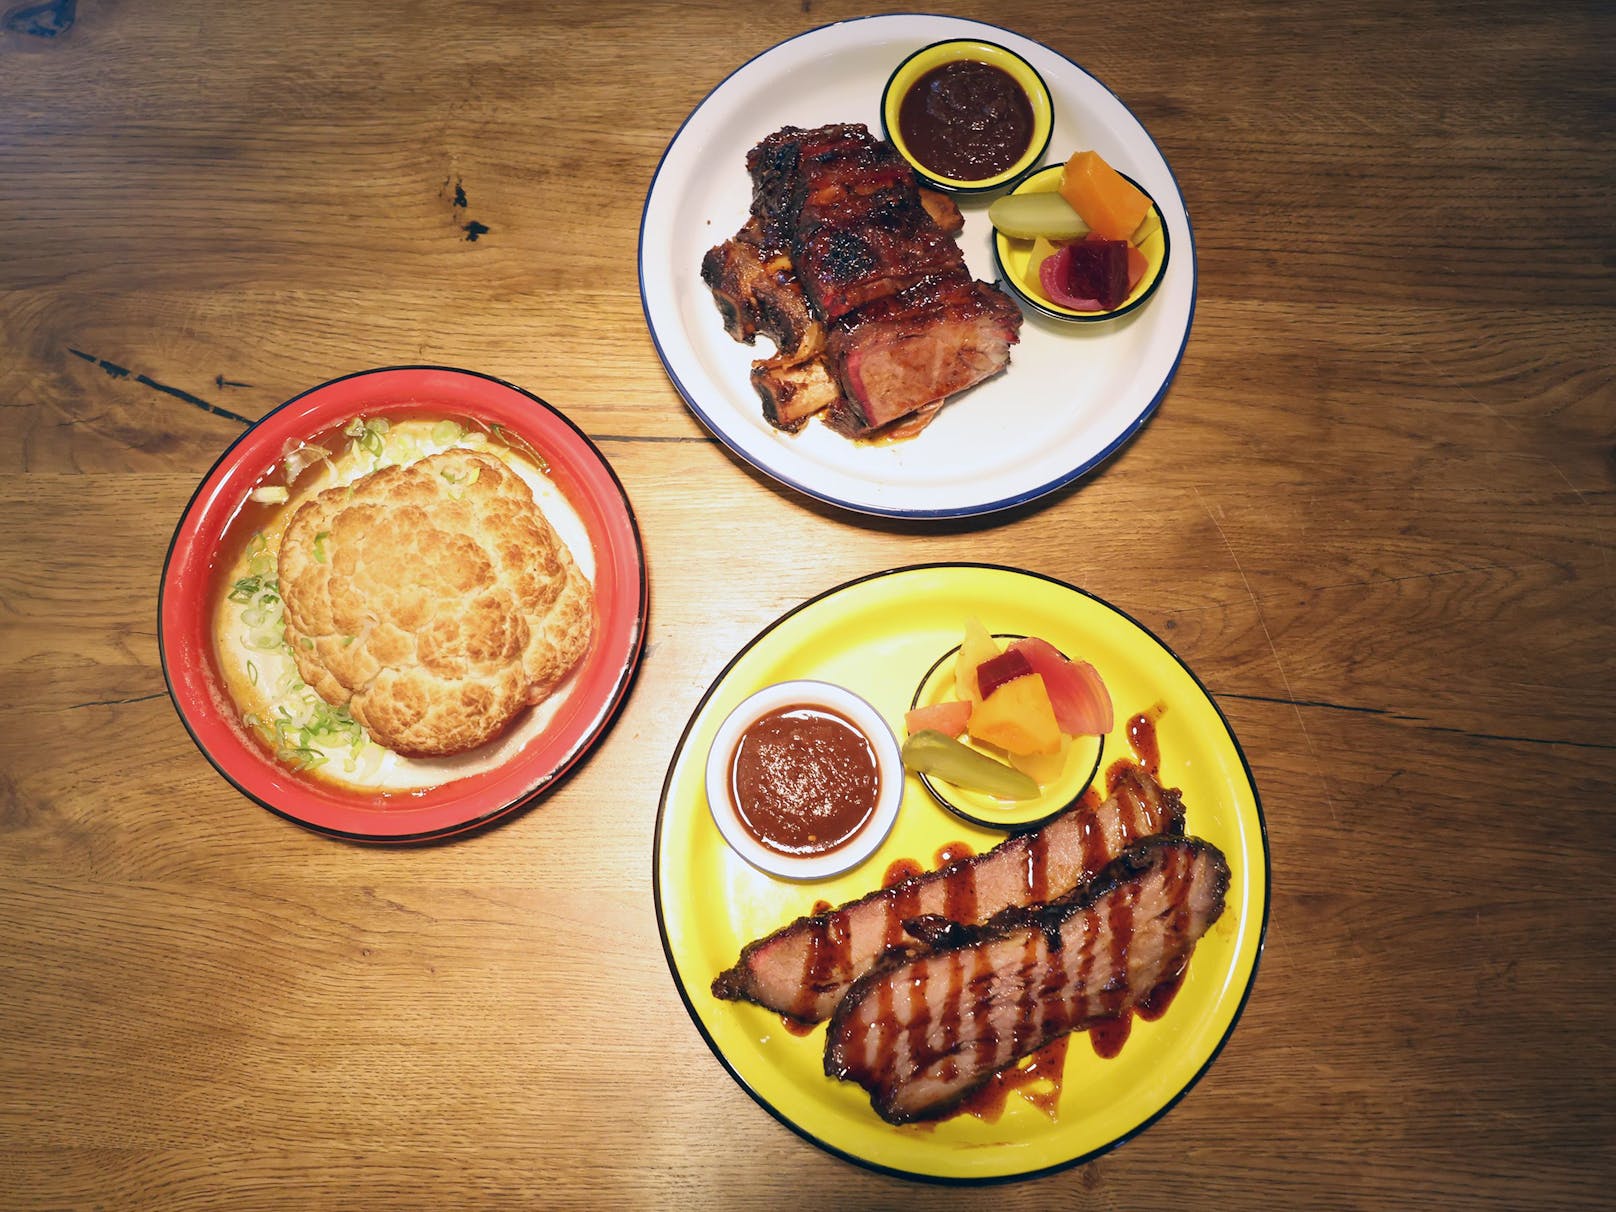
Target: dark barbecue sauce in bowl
[[804, 780], [966, 120]]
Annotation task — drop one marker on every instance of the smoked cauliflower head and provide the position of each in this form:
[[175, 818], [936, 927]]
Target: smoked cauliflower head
[[434, 599]]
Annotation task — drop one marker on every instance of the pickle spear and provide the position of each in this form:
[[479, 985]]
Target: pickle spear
[[941, 756], [1028, 216]]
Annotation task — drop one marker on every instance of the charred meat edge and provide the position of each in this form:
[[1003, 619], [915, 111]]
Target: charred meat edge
[[755, 283]]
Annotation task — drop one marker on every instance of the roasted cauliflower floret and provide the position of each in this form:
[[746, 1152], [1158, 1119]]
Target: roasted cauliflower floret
[[434, 599]]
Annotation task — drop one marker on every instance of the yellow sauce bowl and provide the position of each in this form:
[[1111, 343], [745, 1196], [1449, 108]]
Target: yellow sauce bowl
[[1021, 277], [936, 55]]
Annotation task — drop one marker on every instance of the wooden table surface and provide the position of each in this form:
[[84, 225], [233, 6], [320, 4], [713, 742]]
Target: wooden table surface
[[1374, 513]]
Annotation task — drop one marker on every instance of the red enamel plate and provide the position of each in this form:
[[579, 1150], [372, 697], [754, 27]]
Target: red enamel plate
[[588, 701]]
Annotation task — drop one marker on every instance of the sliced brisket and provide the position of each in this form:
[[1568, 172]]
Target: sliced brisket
[[803, 969], [927, 1026]]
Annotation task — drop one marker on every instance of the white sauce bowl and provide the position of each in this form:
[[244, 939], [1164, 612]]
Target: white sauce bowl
[[889, 765]]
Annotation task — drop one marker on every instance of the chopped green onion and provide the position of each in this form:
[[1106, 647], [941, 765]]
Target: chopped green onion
[[447, 432], [303, 756], [368, 436]]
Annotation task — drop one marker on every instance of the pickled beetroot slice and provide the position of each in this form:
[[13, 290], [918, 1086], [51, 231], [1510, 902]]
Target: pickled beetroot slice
[[1052, 277], [996, 671], [1083, 288], [1098, 269]]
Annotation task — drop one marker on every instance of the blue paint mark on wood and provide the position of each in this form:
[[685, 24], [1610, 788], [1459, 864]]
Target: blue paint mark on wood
[[113, 370], [49, 20]]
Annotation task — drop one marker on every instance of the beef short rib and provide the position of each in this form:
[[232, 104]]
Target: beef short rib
[[851, 268], [931, 340], [849, 208], [755, 286]]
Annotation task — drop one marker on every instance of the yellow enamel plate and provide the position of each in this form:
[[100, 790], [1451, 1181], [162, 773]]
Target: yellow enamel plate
[[878, 636]]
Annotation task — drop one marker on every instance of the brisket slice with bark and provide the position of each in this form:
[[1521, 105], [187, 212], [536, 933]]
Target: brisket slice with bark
[[926, 1027], [803, 969]]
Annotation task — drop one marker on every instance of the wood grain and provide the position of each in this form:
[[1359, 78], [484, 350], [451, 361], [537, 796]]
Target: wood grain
[[1375, 514]]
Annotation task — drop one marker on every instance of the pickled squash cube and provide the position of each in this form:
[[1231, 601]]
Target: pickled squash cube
[[1109, 204], [1018, 718]]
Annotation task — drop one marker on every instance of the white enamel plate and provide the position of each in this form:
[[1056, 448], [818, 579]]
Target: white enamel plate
[[1073, 394]]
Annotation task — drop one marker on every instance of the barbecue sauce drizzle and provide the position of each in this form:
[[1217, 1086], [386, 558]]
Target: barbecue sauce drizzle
[[1105, 1017], [1142, 738], [830, 962]]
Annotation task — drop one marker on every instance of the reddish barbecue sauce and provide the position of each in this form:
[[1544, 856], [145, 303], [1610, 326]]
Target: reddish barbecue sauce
[[1142, 738], [1044, 1067], [804, 780], [966, 120], [900, 870]]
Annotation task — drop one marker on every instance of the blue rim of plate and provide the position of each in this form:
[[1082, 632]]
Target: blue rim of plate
[[1002, 504], [787, 1121]]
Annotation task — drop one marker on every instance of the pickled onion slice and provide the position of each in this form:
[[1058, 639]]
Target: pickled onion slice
[[1076, 691]]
